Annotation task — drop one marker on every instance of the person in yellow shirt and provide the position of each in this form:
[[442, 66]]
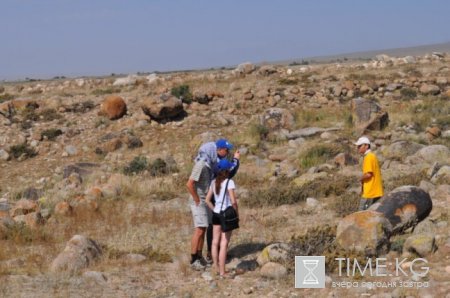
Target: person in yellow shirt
[[371, 181]]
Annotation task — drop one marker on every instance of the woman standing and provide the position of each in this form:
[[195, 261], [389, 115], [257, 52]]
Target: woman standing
[[223, 190]]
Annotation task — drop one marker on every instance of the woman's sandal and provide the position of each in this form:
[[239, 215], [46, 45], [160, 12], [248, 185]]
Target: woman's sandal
[[227, 275]]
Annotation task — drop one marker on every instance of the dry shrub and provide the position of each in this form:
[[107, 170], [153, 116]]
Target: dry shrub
[[110, 90], [22, 150], [19, 233], [345, 204], [409, 179], [284, 191], [318, 154], [320, 241], [149, 252]]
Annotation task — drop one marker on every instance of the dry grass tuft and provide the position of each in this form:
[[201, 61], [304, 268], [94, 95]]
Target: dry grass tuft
[[284, 191]]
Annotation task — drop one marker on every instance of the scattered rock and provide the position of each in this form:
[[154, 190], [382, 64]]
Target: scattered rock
[[32, 220], [433, 132], [442, 176], [79, 253], [23, 207], [113, 107], [166, 107], [273, 270], [71, 150], [4, 155], [244, 69], [368, 115], [129, 80], [95, 277], [345, 159], [63, 208], [404, 207], [305, 132], [277, 118], [431, 154], [364, 231], [132, 259], [427, 89], [422, 244], [276, 252]]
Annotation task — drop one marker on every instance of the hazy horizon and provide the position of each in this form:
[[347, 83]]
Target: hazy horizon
[[87, 38]]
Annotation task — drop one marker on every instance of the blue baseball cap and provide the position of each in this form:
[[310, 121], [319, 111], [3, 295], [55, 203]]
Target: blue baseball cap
[[224, 164], [223, 143]]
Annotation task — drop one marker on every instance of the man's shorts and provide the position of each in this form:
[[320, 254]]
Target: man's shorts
[[201, 214]]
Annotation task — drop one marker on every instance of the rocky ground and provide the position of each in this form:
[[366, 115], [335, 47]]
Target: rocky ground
[[108, 159]]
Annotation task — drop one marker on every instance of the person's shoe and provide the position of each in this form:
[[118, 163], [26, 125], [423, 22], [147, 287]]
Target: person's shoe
[[226, 275], [209, 260], [197, 265], [205, 262]]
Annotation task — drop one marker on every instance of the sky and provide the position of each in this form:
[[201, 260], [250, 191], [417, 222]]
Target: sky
[[46, 38]]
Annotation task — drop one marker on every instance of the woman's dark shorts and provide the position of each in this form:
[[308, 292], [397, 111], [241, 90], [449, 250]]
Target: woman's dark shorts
[[216, 219]]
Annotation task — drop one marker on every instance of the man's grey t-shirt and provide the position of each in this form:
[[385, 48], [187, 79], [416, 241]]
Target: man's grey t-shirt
[[202, 176]]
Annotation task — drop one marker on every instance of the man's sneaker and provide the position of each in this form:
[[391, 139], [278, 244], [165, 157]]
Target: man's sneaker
[[205, 262], [197, 265]]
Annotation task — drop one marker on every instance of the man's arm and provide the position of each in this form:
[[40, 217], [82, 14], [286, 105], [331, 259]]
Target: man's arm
[[191, 188], [366, 176]]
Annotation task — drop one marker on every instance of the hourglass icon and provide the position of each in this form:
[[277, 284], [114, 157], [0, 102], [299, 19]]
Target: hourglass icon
[[310, 278]]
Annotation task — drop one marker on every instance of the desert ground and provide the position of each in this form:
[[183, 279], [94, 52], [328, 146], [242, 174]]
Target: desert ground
[[108, 158]]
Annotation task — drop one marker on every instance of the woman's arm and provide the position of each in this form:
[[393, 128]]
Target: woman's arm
[[233, 200], [208, 199]]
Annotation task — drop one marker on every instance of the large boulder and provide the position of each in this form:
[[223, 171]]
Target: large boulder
[[243, 69], [273, 270], [427, 89], [79, 253], [83, 169], [32, 220], [113, 107], [278, 118], [166, 107], [368, 115], [431, 154], [276, 252], [23, 207], [420, 244], [364, 231], [442, 176], [401, 149], [18, 104], [404, 207]]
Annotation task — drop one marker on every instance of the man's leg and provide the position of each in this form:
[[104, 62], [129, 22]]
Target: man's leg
[[362, 204], [198, 234]]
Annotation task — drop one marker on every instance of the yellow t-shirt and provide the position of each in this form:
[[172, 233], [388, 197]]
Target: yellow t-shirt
[[373, 187]]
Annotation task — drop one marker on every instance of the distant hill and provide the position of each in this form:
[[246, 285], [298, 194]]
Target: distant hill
[[396, 52]]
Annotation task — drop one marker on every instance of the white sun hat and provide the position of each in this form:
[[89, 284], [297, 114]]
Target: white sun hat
[[362, 140]]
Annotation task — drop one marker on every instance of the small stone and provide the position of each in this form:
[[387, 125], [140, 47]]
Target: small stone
[[71, 150], [4, 155], [311, 203], [94, 276], [207, 276], [135, 258]]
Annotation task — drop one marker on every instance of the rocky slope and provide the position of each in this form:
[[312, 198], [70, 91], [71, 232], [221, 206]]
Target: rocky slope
[[108, 158]]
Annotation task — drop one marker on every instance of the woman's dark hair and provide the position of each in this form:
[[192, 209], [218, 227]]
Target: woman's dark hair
[[221, 176]]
